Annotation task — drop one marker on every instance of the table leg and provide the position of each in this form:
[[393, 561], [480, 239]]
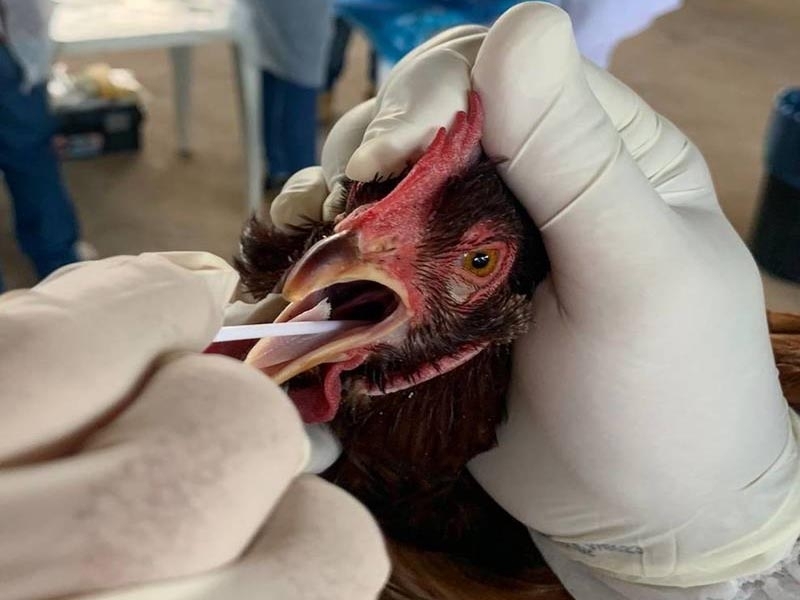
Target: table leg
[[249, 83], [182, 79]]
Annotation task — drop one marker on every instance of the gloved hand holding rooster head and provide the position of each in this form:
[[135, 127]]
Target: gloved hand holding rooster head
[[647, 439]]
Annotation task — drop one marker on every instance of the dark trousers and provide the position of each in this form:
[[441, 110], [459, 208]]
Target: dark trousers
[[290, 126], [44, 219], [341, 38]]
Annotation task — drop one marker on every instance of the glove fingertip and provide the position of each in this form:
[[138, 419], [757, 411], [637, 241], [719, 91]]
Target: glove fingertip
[[290, 210], [334, 204], [530, 51], [325, 448], [300, 200], [379, 157]]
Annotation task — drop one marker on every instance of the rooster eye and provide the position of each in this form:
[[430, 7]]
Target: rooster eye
[[480, 262]]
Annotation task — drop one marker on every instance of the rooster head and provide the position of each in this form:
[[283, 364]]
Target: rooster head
[[431, 268]]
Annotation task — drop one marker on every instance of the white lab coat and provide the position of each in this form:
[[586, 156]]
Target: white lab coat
[[600, 25], [290, 39], [26, 30]]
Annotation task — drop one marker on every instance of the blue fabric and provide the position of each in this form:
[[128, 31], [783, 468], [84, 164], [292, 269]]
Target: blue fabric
[[395, 27], [783, 138], [44, 218], [290, 125]]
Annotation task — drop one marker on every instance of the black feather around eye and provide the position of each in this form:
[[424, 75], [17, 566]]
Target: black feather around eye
[[479, 194]]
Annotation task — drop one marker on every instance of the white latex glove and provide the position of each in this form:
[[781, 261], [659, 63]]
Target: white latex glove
[[647, 433], [126, 458]]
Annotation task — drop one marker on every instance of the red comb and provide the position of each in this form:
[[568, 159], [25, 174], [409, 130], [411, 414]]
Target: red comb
[[450, 153]]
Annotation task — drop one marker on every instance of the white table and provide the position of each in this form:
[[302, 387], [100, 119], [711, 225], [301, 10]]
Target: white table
[[97, 26]]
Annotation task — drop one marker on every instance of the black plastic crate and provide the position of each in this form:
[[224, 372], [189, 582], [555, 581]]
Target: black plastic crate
[[87, 131], [776, 237]]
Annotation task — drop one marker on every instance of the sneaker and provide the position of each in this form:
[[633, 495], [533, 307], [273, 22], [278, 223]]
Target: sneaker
[[85, 251]]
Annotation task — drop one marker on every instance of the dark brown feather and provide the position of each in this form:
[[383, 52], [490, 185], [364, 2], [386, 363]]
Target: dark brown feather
[[423, 575], [405, 458]]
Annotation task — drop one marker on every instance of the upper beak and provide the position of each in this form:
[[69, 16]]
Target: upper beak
[[333, 260]]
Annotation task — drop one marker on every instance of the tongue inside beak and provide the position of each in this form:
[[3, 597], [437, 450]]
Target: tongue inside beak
[[331, 284], [285, 349]]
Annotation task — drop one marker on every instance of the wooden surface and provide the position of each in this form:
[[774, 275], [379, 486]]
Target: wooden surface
[[785, 330]]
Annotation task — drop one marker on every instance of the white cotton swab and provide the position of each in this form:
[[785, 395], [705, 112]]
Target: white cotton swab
[[251, 332]]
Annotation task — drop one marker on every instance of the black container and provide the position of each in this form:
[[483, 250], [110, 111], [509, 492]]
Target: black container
[[776, 237], [86, 131]]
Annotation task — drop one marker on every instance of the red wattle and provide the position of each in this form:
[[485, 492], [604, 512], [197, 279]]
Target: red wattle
[[317, 405]]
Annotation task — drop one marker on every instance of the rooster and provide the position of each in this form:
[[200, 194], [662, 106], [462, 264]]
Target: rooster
[[435, 269]]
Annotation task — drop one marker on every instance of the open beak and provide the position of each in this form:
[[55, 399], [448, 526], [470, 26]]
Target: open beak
[[334, 281]]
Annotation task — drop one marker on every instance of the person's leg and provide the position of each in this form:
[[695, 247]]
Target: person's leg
[[336, 59], [290, 129], [372, 73], [341, 38], [300, 126], [45, 223], [273, 98]]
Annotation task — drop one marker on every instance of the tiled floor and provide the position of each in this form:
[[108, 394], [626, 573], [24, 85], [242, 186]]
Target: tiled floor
[[712, 68]]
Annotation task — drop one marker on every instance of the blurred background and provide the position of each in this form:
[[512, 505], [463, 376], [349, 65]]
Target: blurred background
[[713, 67]]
